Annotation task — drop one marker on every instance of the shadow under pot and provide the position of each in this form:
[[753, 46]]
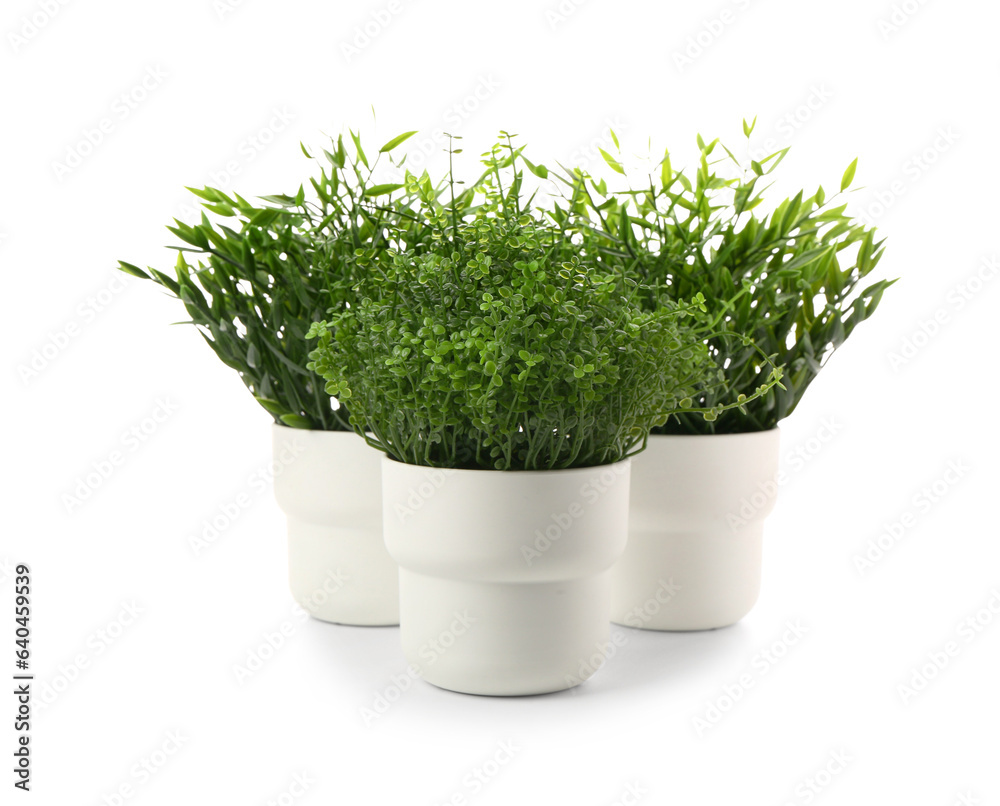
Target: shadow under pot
[[696, 523], [504, 576], [329, 485]]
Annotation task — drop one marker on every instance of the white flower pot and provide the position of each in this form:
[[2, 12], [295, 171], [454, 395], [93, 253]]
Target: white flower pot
[[504, 576], [329, 485], [696, 521]]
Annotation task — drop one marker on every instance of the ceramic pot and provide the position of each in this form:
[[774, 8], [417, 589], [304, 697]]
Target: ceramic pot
[[329, 485], [696, 522], [504, 575]]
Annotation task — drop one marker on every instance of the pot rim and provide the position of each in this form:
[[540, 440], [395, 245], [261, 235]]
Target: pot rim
[[293, 430], [720, 437], [565, 471]]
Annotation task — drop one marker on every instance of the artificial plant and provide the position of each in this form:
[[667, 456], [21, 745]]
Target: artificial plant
[[254, 277], [781, 289], [498, 349]]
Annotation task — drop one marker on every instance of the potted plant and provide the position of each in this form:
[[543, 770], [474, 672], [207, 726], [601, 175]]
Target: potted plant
[[261, 275], [508, 388], [782, 292]]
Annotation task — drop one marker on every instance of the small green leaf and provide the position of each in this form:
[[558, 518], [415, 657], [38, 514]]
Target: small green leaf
[[208, 194], [272, 406], [295, 421], [381, 190], [135, 271], [361, 151], [612, 162], [538, 170], [845, 182], [395, 141], [264, 217], [666, 171]]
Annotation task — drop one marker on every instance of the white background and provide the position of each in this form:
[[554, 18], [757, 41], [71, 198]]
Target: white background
[[914, 95]]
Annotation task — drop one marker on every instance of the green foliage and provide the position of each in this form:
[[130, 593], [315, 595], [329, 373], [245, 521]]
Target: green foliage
[[254, 277], [468, 327], [491, 351], [781, 289]]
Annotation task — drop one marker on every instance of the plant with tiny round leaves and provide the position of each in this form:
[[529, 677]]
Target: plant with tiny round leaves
[[486, 352]]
